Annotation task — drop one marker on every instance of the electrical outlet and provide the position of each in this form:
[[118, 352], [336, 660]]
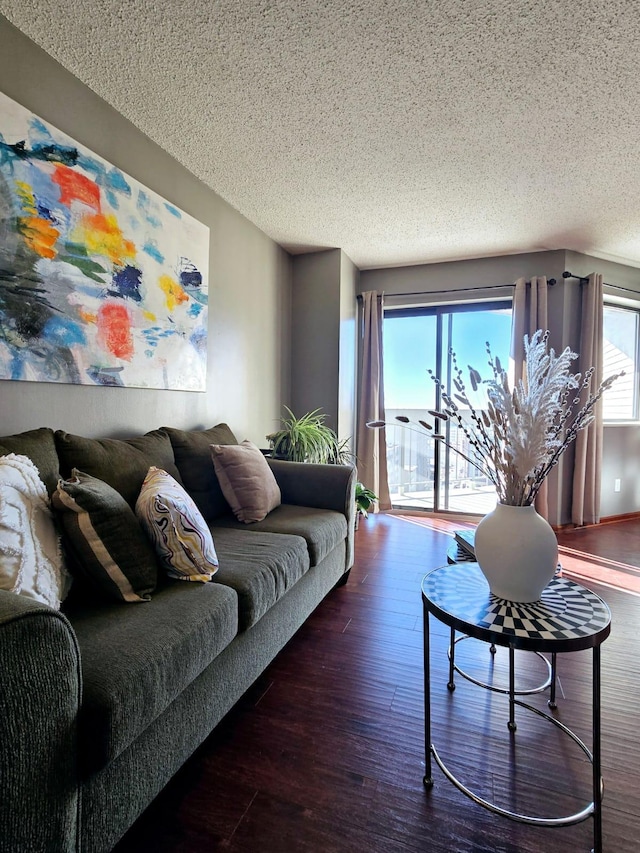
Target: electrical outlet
[[616, 485]]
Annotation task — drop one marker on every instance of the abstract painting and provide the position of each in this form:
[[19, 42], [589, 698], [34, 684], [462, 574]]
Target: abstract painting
[[102, 281]]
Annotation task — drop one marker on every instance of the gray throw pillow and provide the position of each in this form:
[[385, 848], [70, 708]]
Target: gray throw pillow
[[105, 540]]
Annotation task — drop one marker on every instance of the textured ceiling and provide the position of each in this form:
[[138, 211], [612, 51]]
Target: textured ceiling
[[401, 132]]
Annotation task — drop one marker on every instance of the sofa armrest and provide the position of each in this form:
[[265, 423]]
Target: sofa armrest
[[40, 687], [322, 486]]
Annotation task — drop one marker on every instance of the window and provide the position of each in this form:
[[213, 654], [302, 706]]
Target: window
[[620, 402], [425, 474]]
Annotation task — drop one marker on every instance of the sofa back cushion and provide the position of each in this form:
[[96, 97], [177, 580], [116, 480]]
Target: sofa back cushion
[[193, 459], [40, 447], [122, 463]]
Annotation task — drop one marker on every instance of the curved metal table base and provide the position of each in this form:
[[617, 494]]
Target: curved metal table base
[[568, 618], [453, 666], [567, 820]]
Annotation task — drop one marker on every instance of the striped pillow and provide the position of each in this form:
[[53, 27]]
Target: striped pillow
[[105, 540], [176, 527]]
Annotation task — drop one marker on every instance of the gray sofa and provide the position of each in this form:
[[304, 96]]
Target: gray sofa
[[101, 703]]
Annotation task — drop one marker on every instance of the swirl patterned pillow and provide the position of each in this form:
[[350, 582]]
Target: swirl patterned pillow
[[175, 525]]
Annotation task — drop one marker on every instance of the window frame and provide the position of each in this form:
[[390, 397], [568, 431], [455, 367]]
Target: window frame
[[635, 418]]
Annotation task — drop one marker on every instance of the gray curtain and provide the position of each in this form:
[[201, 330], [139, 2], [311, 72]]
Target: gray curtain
[[371, 448], [587, 471], [530, 313]]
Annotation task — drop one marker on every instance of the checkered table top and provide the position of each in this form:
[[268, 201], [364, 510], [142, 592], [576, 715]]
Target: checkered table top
[[567, 618]]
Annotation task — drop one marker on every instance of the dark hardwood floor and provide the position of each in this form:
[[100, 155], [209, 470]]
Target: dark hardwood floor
[[325, 753]]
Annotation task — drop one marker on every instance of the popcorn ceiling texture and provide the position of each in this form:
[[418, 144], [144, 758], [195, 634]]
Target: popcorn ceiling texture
[[397, 130]]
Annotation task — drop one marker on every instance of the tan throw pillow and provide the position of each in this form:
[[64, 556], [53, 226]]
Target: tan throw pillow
[[246, 480]]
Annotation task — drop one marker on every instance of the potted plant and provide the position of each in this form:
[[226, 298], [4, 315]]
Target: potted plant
[[309, 439], [365, 499]]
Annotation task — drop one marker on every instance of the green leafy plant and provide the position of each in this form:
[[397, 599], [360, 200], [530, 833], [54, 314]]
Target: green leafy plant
[[309, 439], [365, 499]]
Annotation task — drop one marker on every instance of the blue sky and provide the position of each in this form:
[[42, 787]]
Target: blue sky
[[409, 349]]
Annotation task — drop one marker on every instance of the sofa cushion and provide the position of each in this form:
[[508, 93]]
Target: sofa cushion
[[122, 463], [176, 527], [246, 480], [192, 453], [136, 661], [107, 546], [322, 529], [39, 445], [260, 567]]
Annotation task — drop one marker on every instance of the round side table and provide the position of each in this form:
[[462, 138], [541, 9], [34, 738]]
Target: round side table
[[568, 618]]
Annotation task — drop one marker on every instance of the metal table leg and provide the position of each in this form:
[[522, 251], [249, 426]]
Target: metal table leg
[[552, 691], [451, 686], [428, 778], [511, 725], [597, 769]]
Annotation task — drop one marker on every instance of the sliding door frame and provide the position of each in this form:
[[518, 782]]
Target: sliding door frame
[[441, 451]]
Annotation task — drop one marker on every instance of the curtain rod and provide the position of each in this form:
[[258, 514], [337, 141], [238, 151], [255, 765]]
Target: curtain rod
[[550, 282], [566, 274], [584, 280], [581, 278]]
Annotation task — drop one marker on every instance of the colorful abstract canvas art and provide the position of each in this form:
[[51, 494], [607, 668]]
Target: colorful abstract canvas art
[[102, 281]]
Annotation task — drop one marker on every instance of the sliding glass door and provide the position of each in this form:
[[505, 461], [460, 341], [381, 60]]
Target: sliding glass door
[[423, 473]]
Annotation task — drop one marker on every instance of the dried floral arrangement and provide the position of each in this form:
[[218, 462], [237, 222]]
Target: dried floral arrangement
[[519, 435]]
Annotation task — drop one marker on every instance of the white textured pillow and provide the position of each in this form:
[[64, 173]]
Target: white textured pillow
[[30, 555], [175, 525]]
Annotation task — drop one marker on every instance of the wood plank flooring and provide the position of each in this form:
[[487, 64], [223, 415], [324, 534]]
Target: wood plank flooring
[[325, 753]]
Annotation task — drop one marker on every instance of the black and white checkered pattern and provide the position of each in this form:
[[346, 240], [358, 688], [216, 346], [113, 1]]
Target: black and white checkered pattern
[[566, 613]]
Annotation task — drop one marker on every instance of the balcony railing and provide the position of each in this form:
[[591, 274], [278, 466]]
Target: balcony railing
[[411, 465]]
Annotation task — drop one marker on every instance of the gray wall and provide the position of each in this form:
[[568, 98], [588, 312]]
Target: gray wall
[[323, 337], [249, 281], [620, 461], [349, 276], [315, 333]]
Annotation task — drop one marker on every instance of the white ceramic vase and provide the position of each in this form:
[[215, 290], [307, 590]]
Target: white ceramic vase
[[517, 551]]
